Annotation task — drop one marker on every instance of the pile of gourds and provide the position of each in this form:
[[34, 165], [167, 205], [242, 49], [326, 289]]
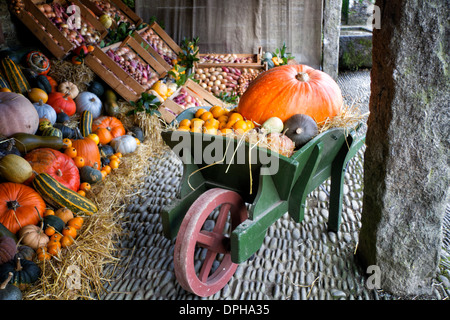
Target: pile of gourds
[[48, 165]]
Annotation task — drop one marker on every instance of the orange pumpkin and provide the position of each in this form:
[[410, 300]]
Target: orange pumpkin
[[113, 124], [287, 90], [20, 206], [62, 102], [88, 150], [104, 135]]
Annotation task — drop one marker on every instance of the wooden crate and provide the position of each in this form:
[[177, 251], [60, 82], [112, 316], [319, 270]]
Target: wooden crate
[[129, 14], [255, 58], [48, 33], [116, 77], [165, 40], [243, 69], [170, 109]]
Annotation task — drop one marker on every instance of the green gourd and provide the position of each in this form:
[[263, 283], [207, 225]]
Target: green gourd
[[9, 291], [25, 272], [90, 175], [26, 142], [6, 233], [55, 222]]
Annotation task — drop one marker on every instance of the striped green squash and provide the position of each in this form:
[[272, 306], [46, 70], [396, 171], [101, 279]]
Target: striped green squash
[[16, 79], [52, 132], [3, 82], [86, 123], [59, 196]]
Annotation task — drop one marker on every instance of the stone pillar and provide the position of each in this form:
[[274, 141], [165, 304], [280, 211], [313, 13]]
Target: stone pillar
[[406, 183], [331, 34]]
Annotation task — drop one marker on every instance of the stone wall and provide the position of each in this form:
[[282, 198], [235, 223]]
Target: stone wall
[[406, 183]]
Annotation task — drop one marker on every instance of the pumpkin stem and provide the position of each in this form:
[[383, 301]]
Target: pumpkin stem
[[5, 283], [18, 265], [39, 214], [303, 77], [299, 131], [13, 205], [59, 173]]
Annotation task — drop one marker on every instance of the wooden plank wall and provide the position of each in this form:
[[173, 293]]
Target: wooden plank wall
[[236, 26]]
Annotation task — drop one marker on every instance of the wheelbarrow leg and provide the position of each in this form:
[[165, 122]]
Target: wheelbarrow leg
[[338, 170], [297, 200]]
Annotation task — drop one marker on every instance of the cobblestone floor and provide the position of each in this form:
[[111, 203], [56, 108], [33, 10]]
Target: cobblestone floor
[[296, 261]]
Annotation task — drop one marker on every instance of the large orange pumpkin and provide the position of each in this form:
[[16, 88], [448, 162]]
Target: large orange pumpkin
[[114, 126], [19, 206], [287, 90]]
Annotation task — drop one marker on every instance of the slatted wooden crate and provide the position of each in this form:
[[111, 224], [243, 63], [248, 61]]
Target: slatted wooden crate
[[48, 33], [160, 39], [129, 15], [116, 77], [219, 59], [170, 109], [212, 78]]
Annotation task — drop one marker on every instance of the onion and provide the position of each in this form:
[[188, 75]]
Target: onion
[[273, 125]]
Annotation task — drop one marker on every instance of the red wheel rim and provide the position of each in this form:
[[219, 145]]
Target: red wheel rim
[[191, 235]]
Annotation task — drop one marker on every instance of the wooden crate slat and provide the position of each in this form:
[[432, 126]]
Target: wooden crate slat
[[146, 56], [128, 13], [155, 29], [150, 49], [110, 78], [87, 15], [176, 108], [203, 94], [258, 68], [58, 51], [167, 39], [256, 57], [166, 115], [116, 69], [194, 90]]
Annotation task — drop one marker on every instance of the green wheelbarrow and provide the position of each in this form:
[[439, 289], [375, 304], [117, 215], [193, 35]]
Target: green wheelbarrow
[[232, 191]]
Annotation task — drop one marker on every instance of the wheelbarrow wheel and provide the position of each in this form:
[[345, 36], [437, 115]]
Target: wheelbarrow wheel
[[207, 227]]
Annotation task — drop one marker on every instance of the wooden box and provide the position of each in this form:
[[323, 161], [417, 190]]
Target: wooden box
[[116, 77], [48, 33], [170, 109], [129, 15], [213, 79], [219, 59], [155, 32]]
